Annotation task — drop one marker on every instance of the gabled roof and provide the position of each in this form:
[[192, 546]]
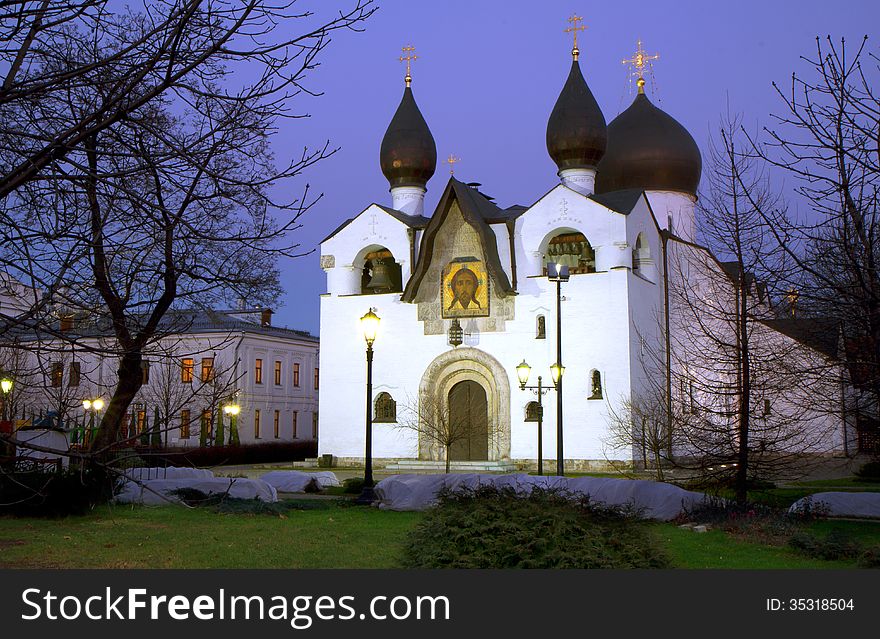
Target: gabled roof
[[623, 201], [479, 213], [819, 334], [412, 221]]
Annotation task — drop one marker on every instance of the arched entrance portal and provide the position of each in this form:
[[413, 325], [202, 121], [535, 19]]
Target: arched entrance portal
[[468, 422], [444, 390]]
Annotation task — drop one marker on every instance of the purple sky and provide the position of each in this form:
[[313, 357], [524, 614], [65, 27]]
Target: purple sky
[[489, 73]]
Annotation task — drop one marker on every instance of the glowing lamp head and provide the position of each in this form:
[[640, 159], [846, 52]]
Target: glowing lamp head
[[98, 404], [232, 409], [87, 404], [557, 371], [370, 326], [5, 384], [522, 372]]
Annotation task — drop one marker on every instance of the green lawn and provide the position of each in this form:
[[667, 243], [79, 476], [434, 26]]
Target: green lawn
[[327, 535], [176, 537]]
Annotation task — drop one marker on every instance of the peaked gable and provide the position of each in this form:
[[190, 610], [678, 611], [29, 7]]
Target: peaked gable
[[477, 211]]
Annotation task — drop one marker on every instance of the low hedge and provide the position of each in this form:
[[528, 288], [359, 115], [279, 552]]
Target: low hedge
[[229, 455]]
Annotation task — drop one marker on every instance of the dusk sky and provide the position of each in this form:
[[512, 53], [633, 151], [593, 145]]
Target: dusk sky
[[488, 73]]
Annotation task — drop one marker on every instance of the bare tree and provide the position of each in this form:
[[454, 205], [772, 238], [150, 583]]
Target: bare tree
[[142, 180], [826, 140], [440, 430]]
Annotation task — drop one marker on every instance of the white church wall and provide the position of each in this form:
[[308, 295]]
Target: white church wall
[[372, 229], [677, 208]]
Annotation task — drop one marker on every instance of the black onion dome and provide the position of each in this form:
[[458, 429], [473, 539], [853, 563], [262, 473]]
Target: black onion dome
[[408, 156], [649, 150], [576, 130]]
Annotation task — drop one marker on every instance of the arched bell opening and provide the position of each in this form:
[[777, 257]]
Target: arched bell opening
[[380, 272]]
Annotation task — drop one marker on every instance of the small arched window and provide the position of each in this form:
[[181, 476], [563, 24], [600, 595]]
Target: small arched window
[[381, 273], [541, 328], [385, 409], [641, 253], [595, 385], [533, 412], [572, 250]]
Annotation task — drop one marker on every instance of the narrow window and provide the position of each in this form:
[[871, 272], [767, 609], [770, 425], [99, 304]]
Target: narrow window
[[314, 425], [296, 375], [140, 420], [294, 423], [385, 409], [207, 369], [257, 422], [766, 407], [184, 424], [57, 374], [258, 371], [207, 424], [277, 373], [145, 371], [533, 412], [316, 379], [187, 365], [277, 424], [595, 385], [74, 373], [541, 329]]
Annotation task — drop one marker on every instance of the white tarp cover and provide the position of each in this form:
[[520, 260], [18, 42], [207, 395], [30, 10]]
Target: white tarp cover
[[294, 481], [158, 491], [654, 500], [171, 472], [841, 504], [45, 438]]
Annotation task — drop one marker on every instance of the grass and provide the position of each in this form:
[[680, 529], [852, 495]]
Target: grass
[[175, 537]]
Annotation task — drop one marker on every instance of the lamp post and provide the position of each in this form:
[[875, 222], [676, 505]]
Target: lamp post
[[6, 387], [522, 372], [558, 273], [232, 410], [370, 326], [92, 406]]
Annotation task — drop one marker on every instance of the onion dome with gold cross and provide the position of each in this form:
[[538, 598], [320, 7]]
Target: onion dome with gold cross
[[408, 155], [648, 149], [576, 130]]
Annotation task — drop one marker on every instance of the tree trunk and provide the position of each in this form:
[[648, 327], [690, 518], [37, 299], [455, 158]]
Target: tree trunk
[[130, 381]]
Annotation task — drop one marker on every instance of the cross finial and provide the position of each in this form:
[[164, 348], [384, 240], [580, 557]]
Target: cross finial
[[408, 55], [574, 28], [638, 62], [451, 160]]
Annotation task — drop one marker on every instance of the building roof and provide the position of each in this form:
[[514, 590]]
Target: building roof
[[649, 149], [576, 130], [478, 212], [408, 155], [176, 322], [412, 221], [819, 334], [623, 201]]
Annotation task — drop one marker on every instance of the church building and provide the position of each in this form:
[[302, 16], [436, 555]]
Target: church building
[[466, 293]]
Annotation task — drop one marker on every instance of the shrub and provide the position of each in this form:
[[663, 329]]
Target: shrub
[[353, 485], [494, 528], [870, 558], [40, 493], [225, 455], [226, 505], [869, 471], [835, 545]]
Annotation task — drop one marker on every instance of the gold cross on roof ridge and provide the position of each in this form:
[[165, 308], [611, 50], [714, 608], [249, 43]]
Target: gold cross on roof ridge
[[409, 56], [574, 28], [451, 160], [639, 62]]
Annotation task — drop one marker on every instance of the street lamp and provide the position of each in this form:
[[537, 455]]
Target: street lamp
[[558, 273], [522, 372], [6, 387], [232, 410], [92, 406], [370, 327]]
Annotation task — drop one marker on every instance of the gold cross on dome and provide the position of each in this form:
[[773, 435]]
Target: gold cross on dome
[[409, 56], [638, 62], [574, 28], [451, 160]]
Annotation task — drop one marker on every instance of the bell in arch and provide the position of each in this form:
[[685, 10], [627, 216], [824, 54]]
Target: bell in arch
[[381, 280]]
